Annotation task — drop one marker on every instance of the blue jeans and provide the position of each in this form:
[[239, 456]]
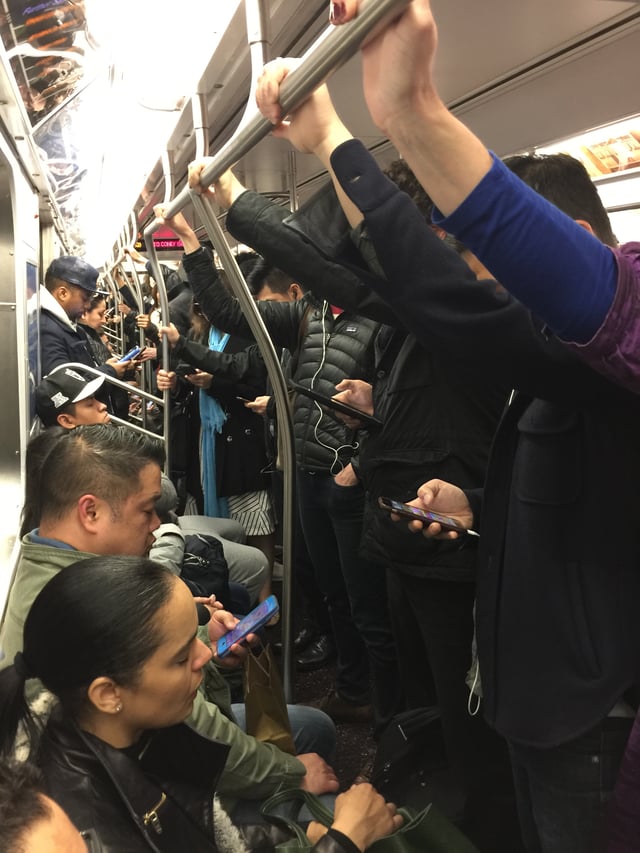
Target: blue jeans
[[562, 792], [356, 593], [313, 730]]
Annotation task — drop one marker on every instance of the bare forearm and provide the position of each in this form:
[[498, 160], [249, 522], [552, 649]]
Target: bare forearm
[[338, 135], [446, 157]]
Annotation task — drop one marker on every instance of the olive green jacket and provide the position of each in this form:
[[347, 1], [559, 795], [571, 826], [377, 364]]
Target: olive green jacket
[[253, 770]]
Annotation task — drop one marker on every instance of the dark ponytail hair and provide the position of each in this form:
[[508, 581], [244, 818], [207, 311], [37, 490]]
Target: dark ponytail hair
[[95, 618]]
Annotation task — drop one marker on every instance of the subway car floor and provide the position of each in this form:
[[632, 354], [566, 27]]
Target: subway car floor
[[355, 744]]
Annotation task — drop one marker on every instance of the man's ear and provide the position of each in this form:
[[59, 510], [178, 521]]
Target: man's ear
[[90, 510], [586, 225], [65, 420], [104, 695], [296, 291], [61, 293]]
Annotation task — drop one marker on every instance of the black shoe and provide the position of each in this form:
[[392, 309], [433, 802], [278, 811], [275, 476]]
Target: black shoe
[[302, 640], [317, 655]]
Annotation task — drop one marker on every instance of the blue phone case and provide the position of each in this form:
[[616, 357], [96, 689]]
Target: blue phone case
[[131, 354], [248, 624]]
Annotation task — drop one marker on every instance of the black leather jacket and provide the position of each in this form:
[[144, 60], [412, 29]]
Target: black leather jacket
[[155, 796]]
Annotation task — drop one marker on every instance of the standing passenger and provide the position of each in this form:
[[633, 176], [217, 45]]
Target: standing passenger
[[326, 347], [69, 285]]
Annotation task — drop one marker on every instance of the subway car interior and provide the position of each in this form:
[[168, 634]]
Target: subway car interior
[[101, 108], [104, 105]]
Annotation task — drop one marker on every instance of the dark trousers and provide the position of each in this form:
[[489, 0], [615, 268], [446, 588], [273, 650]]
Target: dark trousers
[[563, 792], [433, 625], [309, 604], [355, 589]]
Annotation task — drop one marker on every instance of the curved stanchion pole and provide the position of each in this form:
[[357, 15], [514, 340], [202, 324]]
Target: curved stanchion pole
[[328, 53], [208, 218]]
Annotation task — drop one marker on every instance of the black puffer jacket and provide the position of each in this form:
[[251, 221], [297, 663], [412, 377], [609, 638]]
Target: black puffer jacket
[[327, 349]]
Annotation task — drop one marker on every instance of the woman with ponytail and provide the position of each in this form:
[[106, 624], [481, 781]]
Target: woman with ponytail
[[115, 640]]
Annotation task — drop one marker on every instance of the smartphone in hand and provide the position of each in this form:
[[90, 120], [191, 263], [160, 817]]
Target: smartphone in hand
[[258, 617], [135, 351], [427, 517], [185, 370]]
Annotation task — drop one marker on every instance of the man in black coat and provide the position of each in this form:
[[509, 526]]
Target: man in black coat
[[69, 285]]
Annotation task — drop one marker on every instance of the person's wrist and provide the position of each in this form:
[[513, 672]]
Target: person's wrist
[[357, 834], [336, 136], [410, 124]]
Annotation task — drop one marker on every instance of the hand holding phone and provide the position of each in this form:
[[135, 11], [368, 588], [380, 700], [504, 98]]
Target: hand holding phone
[[133, 353], [250, 623], [427, 517], [185, 370]]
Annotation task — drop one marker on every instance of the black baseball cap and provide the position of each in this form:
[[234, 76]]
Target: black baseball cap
[[76, 271], [62, 388]]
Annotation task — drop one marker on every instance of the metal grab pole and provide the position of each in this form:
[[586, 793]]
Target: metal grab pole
[[324, 56], [164, 311], [208, 218], [257, 19]]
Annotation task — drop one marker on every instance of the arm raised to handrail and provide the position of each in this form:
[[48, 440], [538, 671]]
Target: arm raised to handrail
[[325, 56]]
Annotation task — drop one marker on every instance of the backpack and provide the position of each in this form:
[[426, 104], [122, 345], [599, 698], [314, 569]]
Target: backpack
[[411, 767], [204, 567]]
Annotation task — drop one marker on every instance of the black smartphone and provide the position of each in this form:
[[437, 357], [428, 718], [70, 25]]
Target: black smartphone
[[369, 421], [258, 617], [417, 514], [185, 370]]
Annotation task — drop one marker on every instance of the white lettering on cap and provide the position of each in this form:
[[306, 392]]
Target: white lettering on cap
[[59, 400]]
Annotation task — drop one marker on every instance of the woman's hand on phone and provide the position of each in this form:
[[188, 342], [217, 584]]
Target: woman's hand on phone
[[259, 405], [221, 623]]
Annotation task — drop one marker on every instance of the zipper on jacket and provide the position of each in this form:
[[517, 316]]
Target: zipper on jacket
[[151, 817]]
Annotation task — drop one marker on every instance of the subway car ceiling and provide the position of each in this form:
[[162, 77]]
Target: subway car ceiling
[[520, 74]]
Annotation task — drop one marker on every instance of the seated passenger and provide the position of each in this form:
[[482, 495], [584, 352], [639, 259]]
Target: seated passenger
[[31, 822], [98, 490], [67, 398], [115, 753]]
